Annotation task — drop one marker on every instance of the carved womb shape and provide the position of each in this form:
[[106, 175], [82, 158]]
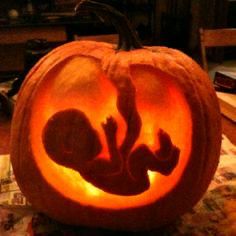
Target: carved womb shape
[[123, 132], [70, 140]]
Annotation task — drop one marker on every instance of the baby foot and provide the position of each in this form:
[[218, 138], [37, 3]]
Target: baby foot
[[168, 154]]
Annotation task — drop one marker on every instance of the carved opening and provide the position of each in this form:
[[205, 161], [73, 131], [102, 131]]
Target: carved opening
[[167, 120]]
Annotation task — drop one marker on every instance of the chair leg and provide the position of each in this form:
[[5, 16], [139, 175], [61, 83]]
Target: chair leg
[[204, 60]]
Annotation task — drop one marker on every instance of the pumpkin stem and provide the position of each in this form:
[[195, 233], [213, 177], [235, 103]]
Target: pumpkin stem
[[128, 39]]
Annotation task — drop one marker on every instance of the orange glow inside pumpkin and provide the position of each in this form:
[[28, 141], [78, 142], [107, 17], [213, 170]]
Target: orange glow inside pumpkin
[[160, 104]]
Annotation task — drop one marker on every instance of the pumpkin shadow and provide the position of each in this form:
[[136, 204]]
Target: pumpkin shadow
[[43, 225]]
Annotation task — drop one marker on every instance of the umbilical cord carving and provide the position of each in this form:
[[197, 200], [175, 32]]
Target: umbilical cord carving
[[70, 140]]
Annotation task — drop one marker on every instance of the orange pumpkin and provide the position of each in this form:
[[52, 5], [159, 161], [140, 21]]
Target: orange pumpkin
[[120, 139]]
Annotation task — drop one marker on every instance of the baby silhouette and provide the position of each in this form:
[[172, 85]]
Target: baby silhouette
[[70, 140]]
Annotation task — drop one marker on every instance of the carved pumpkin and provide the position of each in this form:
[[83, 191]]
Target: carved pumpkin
[[122, 139]]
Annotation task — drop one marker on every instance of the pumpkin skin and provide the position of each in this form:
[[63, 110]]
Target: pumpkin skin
[[172, 94]]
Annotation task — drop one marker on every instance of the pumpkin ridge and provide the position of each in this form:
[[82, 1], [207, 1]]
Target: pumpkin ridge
[[191, 83], [205, 118]]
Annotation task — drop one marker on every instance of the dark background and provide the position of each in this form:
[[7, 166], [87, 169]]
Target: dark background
[[172, 23]]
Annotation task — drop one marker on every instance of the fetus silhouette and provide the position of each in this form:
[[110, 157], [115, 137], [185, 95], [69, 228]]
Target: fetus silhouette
[[70, 140]]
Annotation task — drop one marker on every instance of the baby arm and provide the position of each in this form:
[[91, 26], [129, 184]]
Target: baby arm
[[113, 165]]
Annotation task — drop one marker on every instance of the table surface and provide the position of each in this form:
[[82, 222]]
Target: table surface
[[228, 128]]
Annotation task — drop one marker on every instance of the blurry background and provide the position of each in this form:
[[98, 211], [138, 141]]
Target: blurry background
[[173, 23]]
